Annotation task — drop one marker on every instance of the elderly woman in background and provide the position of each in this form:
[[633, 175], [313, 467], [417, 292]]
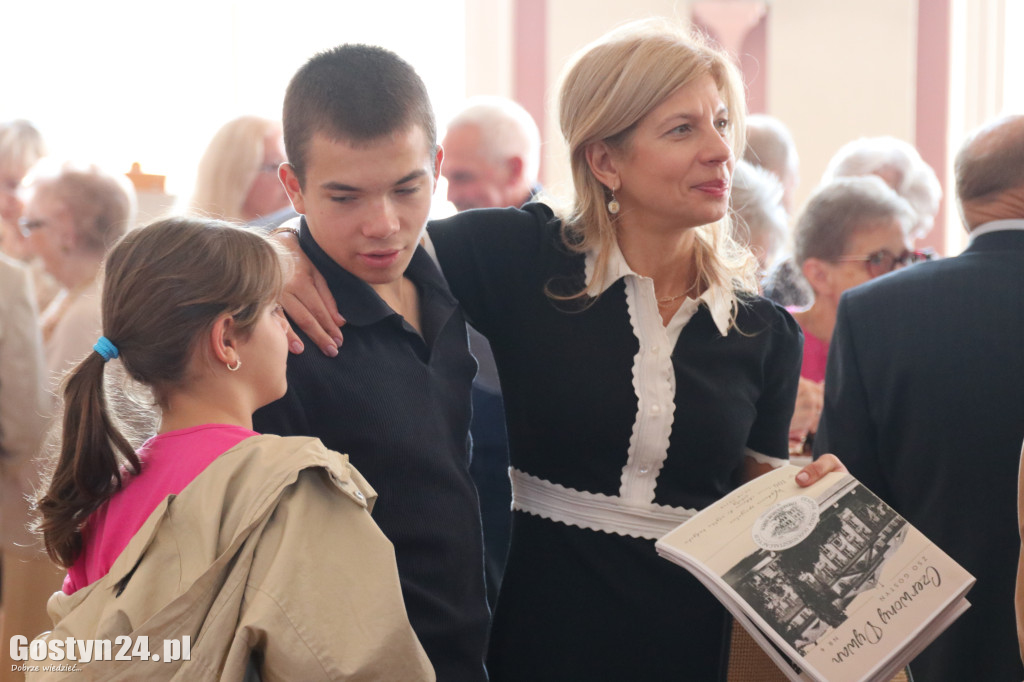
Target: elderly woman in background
[[237, 175], [71, 218], [759, 219], [901, 167], [850, 231], [21, 147]]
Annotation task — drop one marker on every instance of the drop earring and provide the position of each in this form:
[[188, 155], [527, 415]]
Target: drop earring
[[613, 204]]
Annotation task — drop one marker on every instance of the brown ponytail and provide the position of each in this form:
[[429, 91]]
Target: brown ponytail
[[164, 286], [88, 469]]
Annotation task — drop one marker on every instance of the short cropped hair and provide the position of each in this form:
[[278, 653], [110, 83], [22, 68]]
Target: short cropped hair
[[840, 209], [506, 129], [353, 92]]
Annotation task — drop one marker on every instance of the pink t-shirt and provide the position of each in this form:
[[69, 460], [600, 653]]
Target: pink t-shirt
[[169, 463]]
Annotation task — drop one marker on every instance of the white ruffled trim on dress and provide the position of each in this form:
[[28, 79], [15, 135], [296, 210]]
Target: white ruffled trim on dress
[[633, 511]]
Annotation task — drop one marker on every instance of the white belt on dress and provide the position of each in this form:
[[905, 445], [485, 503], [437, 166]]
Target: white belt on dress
[[595, 511]]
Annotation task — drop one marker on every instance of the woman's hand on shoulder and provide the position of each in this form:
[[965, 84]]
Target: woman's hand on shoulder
[[813, 472], [308, 301]]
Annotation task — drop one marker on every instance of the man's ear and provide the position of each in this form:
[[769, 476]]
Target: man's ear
[[514, 165], [602, 165], [223, 340], [438, 160], [286, 173]]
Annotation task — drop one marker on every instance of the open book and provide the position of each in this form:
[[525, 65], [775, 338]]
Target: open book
[[829, 580]]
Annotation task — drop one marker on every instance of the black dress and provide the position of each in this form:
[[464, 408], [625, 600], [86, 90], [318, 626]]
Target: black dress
[[619, 429]]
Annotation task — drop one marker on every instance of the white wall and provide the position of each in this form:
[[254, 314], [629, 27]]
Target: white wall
[[841, 70]]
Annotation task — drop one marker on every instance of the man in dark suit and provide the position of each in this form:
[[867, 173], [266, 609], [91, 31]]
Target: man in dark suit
[[924, 401]]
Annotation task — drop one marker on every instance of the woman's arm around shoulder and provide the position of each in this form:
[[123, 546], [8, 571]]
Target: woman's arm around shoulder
[[491, 258]]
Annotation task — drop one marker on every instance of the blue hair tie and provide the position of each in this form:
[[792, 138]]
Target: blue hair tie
[[106, 349]]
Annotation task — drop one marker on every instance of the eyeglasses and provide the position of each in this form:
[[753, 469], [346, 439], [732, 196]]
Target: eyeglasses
[[27, 226], [882, 261]]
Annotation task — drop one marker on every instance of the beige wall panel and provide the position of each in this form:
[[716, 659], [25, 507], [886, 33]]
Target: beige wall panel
[[840, 70]]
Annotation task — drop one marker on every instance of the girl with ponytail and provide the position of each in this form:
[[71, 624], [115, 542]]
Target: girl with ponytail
[[206, 530]]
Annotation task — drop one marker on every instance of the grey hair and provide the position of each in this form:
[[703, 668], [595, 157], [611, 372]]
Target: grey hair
[[769, 144], [757, 212], [102, 205], [837, 211], [507, 129], [913, 179], [21, 145]]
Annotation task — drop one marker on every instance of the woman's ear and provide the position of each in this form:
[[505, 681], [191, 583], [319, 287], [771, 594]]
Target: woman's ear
[[223, 340], [602, 164], [818, 273]]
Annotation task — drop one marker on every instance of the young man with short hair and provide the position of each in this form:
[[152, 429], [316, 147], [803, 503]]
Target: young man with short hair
[[363, 163]]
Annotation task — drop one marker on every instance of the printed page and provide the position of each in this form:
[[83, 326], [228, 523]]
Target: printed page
[[839, 580]]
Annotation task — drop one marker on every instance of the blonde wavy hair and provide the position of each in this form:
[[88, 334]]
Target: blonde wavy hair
[[228, 168], [607, 88]]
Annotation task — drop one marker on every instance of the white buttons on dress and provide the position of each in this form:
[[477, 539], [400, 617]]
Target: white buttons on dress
[[359, 494], [655, 349], [643, 470], [655, 409]]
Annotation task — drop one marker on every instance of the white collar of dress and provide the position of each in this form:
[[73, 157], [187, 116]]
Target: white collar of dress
[[716, 298]]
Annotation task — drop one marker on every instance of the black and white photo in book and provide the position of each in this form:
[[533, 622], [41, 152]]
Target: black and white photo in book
[[804, 589], [829, 580]]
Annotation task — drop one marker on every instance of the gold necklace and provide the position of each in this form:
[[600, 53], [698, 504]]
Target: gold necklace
[[665, 300]]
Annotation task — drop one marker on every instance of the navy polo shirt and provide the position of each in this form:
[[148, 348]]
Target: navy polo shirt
[[398, 404]]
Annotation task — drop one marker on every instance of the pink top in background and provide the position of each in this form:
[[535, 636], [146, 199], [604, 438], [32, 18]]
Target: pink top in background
[[815, 352], [169, 463], [815, 358]]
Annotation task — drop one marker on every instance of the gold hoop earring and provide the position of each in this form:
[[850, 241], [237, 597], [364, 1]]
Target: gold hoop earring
[[234, 367]]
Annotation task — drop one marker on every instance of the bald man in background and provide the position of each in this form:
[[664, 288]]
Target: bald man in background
[[491, 155], [924, 401]]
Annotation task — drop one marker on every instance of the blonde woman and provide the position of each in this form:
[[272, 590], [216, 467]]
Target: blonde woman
[[643, 376], [237, 176]]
